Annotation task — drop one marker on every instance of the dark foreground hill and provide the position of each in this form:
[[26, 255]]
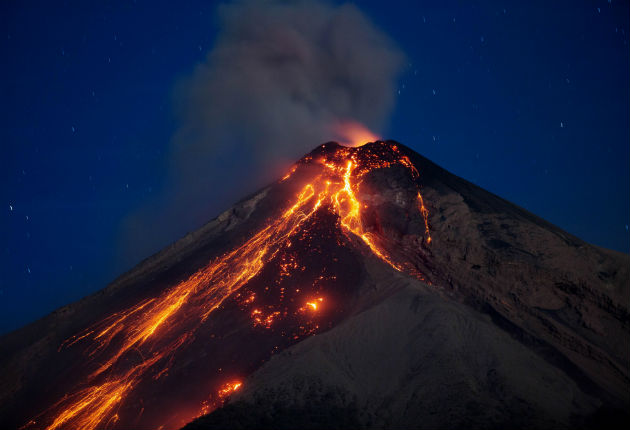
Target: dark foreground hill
[[369, 288]]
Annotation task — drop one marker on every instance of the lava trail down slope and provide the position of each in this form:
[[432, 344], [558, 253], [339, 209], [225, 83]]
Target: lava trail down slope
[[433, 303]]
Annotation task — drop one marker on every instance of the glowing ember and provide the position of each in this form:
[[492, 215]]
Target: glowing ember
[[155, 329], [219, 399], [315, 303], [229, 388]]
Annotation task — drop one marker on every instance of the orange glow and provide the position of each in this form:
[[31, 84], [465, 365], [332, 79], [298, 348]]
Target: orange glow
[[425, 215], [314, 304], [157, 328], [353, 134], [228, 388], [289, 173], [216, 401]]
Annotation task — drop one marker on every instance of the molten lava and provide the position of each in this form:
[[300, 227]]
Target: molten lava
[[137, 345], [315, 303], [217, 401]]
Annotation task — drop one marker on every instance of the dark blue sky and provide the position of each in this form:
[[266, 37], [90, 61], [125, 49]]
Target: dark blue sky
[[529, 100]]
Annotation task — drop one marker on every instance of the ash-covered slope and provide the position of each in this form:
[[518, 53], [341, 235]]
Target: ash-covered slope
[[522, 326], [436, 304], [413, 361]]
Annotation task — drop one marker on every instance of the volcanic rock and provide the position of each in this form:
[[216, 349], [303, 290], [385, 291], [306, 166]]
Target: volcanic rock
[[389, 294]]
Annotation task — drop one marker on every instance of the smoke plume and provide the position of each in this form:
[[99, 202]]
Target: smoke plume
[[280, 80]]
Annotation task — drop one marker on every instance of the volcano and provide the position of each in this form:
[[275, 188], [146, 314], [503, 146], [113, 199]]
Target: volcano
[[367, 288]]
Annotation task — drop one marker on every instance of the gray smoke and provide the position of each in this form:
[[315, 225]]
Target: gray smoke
[[280, 78]]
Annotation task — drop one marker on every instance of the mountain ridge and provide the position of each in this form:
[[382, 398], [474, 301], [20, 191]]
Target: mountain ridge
[[478, 244]]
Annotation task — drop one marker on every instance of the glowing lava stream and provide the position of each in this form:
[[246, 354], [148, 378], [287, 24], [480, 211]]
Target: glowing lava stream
[[156, 328]]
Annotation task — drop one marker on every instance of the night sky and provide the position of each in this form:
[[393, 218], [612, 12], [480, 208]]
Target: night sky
[[529, 100]]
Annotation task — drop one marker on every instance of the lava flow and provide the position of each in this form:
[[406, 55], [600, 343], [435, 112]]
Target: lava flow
[[137, 346]]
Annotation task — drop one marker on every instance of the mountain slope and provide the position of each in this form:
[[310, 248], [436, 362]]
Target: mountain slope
[[524, 326], [434, 301], [413, 361]]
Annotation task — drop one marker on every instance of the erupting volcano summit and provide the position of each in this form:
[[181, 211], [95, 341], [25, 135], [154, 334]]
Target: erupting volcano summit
[[367, 288]]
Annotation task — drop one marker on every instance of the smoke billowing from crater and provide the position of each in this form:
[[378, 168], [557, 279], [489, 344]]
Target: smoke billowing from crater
[[280, 80]]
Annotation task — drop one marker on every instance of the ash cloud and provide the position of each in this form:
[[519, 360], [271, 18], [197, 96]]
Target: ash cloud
[[278, 81]]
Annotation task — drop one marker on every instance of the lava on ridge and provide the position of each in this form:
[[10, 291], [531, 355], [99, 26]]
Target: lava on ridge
[[292, 278]]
